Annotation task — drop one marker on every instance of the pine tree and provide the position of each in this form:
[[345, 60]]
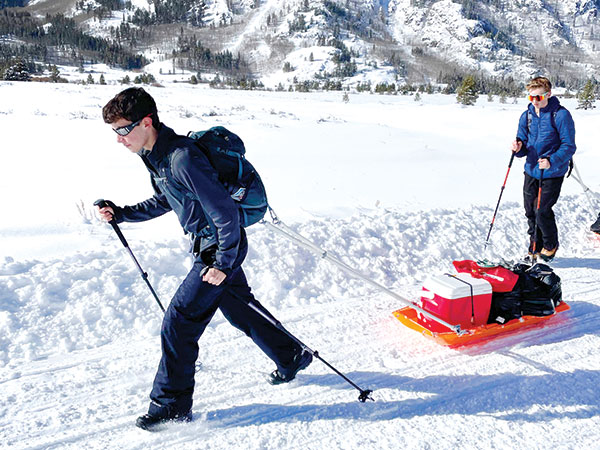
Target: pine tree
[[587, 96], [17, 72], [102, 80], [467, 92], [54, 74]]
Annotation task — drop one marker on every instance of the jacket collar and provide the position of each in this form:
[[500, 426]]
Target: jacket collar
[[161, 147]]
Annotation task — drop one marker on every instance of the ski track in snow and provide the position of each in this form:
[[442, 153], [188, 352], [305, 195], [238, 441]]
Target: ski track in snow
[[79, 331]]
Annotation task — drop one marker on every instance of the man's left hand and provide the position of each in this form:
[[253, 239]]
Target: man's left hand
[[214, 276], [544, 163]]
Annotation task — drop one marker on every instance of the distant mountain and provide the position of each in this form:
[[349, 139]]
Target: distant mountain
[[503, 37], [354, 41]]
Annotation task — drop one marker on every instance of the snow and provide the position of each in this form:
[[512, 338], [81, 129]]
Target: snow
[[395, 188], [254, 24]]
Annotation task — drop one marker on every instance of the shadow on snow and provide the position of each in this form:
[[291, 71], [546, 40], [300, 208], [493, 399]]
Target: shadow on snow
[[507, 396], [576, 263]]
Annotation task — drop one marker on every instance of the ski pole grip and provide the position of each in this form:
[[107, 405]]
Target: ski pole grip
[[101, 203], [512, 158]]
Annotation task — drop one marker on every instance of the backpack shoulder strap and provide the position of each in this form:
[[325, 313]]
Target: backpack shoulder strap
[[553, 121], [174, 183]]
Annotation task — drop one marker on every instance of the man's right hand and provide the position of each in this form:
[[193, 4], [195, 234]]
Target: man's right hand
[[214, 276], [106, 213], [516, 146]]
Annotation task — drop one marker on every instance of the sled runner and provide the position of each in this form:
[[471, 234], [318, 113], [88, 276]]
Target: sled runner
[[478, 334], [484, 300]]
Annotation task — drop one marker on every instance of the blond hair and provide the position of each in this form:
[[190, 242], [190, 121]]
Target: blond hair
[[539, 82]]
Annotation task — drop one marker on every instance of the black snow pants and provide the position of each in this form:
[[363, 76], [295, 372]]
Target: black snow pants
[[186, 318], [547, 232]]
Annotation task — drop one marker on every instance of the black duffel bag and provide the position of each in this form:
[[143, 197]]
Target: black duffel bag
[[536, 293]]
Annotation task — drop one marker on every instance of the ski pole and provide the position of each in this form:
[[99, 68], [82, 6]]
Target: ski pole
[[281, 228], [537, 210], [365, 394], [102, 203], [512, 157]]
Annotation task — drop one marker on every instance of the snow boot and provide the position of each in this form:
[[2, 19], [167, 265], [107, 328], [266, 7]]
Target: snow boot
[[150, 422], [301, 361], [548, 255], [596, 225]]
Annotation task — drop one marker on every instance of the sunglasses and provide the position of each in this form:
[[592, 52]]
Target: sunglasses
[[125, 130], [539, 98]]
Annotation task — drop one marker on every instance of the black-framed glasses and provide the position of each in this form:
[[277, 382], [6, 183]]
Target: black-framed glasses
[[126, 129]]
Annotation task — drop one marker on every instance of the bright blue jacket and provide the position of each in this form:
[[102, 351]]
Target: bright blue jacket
[[186, 183], [551, 135]]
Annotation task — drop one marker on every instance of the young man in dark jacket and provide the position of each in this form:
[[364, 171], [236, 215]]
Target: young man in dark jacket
[[546, 135], [186, 183]]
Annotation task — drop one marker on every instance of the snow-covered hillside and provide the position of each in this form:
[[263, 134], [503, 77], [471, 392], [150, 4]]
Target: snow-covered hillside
[[500, 37], [390, 41], [398, 189]]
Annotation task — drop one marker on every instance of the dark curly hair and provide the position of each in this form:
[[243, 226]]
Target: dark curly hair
[[131, 104]]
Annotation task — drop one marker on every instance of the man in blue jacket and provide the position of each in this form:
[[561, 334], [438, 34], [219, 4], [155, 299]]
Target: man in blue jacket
[[186, 183], [546, 135]]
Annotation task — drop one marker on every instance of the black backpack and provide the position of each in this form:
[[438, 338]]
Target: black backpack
[[226, 153], [537, 293]]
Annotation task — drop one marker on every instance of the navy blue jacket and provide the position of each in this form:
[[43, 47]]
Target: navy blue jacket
[[541, 139], [186, 183]]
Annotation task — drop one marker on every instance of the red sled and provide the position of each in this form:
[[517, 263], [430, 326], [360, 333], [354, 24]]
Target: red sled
[[464, 301]]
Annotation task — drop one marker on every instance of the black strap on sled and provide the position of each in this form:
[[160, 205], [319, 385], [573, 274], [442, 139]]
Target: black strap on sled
[[471, 288]]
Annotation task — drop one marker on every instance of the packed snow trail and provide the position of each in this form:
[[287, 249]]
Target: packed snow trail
[[80, 344]]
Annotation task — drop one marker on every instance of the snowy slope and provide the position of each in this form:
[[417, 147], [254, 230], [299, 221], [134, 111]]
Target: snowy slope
[[396, 188], [422, 37]]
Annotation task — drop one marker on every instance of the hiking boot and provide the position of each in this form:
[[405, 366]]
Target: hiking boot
[[301, 361], [596, 225], [149, 422], [548, 255]]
